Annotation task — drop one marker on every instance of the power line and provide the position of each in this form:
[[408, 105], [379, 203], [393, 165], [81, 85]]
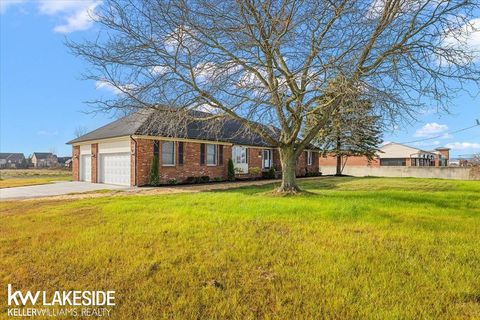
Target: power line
[[443, 134]]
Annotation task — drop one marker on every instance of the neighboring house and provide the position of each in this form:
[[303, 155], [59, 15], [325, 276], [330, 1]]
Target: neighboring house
[[395, 154], [69, 163], [65, 161], [122, 152], [44, 160], [12, 160]]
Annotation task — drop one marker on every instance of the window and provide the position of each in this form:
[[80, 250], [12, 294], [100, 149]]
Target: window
[[398, 162], [239, 154], [267, 159], [220, 154], [211, 154], [309, 158], [156, 148], [168, 153], [180, 153]]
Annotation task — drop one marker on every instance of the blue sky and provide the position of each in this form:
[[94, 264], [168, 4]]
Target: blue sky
[[42, 94]]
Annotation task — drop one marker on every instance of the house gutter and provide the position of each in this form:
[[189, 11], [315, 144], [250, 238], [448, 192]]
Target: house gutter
[[135, 180]]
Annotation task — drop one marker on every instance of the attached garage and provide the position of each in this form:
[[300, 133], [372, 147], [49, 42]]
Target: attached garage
[[114, 168], [85, 166], [114, 162]]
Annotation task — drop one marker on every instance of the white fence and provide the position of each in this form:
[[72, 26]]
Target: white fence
[[457, 173]]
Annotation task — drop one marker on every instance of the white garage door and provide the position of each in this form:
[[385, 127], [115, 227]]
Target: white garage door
[[114, 168], [85, 168]]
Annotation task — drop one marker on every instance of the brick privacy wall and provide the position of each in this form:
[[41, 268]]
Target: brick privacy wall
[[75, 163], [94, 159], [357, 161]]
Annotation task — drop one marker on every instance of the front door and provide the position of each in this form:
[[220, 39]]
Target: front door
[[239, 155], [267, 159]]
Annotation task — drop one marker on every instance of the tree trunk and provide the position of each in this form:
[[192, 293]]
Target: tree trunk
[[289, 180], [339, 156], [339, 165]]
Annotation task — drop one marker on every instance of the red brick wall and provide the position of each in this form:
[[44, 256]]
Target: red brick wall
[[302, 167], [94, 159], [277, 164], [191, 164], [445, 153], [254, 159], [75, 162], [144, 155], [353, 161]]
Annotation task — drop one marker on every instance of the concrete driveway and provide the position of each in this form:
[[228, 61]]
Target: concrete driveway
[[55, 189]]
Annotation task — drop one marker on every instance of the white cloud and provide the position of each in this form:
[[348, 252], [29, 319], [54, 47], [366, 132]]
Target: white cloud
[[76, 14], [80, 19], [103, 84], [463, 145], [465, 38], [207, 108], [5, 4], [158, 70], [431, 129], [427, 143]]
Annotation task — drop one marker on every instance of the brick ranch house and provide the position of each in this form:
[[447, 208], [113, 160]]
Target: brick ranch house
[[394, 154], [122, 151]]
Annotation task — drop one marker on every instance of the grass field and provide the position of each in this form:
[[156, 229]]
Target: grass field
[[350, 248], [27, 177]]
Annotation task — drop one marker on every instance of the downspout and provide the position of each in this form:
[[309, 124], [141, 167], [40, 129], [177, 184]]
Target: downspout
[[135, 150]]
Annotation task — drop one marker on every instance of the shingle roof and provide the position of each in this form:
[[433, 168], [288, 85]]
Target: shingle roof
[[143, 123], [63, 159], [42, 155], [10, 156]]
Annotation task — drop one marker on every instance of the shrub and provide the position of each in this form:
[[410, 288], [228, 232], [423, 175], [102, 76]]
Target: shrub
[[217, 179], [204, 179], [313, 174], [269, 174], [254, 171], [230, 170], [154, 180], [191, 180], [172, 181]]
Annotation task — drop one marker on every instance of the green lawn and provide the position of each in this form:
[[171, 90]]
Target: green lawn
[[350, 248], [10, 178]]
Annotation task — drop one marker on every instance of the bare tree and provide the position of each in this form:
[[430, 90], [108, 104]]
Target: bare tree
[[80, 131], [268, 62]]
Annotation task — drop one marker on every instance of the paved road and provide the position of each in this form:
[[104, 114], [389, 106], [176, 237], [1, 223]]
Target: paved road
[[54, 189]]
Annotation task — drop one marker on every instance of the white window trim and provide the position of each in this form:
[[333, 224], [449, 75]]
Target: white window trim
[[214, 158], [309, 157], [236, 150], [271, 158], [174, 156]]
